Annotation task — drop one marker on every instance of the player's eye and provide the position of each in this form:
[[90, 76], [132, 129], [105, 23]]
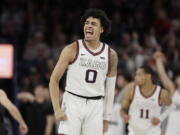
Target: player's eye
[[86, 23], [94, 23]]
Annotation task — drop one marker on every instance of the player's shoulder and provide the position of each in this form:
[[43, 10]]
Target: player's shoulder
[[130, 86], [71, 47], [113, 52], [113, 55], [130, 89], [163, 91], [165, 96]]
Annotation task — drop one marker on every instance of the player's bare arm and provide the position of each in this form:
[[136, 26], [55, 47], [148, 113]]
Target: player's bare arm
[[129, 90], [167, 83], [113, 64], [165, 97], [13, 110], [67, 55]]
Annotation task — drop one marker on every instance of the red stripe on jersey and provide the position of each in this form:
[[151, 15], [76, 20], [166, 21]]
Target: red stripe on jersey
[[109, 59], [159, 98], [94, 54], [148, 95], [133, 93], [77, 52]]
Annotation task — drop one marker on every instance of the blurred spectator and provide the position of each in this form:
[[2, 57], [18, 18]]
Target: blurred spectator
[[38, 111], [40, 29]]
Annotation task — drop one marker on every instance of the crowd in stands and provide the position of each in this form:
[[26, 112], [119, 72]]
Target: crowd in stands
[[39, 30]]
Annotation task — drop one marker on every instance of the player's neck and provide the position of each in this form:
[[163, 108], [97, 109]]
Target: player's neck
[[147, 87], [93, 44]]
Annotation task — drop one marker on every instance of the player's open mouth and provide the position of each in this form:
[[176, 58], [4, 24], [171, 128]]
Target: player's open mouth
[[89, 33]]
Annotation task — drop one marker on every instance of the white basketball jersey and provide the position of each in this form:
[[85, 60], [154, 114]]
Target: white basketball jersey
[[86, 75], [143, 109]]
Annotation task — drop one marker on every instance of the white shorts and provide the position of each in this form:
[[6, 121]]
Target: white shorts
[[152, 131], [85, 116]]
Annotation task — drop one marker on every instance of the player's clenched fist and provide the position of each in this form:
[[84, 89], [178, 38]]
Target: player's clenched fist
[[126, 118], [60, 116], [105, 126], [23, 128], [155, 121]]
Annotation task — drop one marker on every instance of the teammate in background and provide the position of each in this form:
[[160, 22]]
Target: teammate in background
[[89, 63], [38, 110], [141, 106], [13, 110]]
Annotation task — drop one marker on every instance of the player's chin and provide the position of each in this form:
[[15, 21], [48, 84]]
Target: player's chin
[[89, 38], [137, 83]]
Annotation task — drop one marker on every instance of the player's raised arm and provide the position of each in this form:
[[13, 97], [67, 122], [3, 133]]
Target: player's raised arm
[[166, 81], [67, 55], [129, 90]]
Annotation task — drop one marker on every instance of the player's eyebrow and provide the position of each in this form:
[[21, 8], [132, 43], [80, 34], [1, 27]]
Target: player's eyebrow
[[92, 22]]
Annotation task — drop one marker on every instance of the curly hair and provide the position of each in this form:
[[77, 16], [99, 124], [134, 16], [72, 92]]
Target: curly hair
[[101, 15]]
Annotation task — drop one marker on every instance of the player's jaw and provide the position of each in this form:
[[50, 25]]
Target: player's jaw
[[91, 35], [139, 80]]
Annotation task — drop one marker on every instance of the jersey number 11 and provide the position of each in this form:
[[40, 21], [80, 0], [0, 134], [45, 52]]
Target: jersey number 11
[[144, 113]]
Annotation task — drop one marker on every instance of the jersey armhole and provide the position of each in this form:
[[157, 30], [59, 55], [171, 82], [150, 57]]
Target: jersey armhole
[[159, 98], [109, 60], [77, 53], [133, 94]]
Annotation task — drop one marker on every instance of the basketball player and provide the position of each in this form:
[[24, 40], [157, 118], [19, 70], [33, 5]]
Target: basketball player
[[89, 63], [5, 102], [141, 105]]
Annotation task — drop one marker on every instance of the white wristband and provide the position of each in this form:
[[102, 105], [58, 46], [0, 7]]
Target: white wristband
[[109, 97], [166, 113]]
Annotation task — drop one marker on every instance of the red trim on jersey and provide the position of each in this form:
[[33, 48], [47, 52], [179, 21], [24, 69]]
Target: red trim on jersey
[[132, 98], [94, 54], [159, 98], [77, 53], [109, 59], [150, 94]]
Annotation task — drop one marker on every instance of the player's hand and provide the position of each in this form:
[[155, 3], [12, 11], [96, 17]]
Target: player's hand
[[60, 116], [23, 129], [155, 121], [105, 126], [126, 118]]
